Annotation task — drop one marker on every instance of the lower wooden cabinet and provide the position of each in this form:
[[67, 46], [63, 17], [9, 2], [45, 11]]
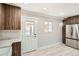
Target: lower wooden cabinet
[[16, 49]]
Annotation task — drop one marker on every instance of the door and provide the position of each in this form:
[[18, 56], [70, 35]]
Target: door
[[30, 39]]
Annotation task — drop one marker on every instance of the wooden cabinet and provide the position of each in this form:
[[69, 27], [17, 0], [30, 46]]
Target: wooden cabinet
[[11, 17], [16, 49], [1, 17], [71, 20]]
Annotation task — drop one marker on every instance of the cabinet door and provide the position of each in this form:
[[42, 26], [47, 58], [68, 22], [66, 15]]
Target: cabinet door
[[8, 17], [1, 17], [17, 18], [13, 17]]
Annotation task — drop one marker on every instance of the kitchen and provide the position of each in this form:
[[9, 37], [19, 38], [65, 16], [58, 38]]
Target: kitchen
[[33, 27]]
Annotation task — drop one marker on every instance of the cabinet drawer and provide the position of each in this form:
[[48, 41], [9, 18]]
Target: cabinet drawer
[[71, 43]]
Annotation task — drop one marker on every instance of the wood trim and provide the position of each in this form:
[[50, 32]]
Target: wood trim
[[63, 34]]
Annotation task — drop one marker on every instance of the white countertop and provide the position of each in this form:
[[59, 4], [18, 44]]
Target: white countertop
[[8, 42]]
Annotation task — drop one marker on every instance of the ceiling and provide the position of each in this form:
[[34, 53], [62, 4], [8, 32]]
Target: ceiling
[[52, 9]]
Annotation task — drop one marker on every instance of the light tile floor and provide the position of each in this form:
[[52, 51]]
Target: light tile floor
[[55, 51]]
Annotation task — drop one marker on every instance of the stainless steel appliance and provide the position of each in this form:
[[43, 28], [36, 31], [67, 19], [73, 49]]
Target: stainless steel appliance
[[72, 35]]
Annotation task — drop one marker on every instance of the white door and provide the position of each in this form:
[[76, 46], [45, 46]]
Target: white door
[[30, 38]]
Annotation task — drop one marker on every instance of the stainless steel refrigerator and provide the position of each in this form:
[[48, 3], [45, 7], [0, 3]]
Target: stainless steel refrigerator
[[72, 35]]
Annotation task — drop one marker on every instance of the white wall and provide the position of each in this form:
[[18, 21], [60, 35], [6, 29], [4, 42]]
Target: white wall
[[45, 38]]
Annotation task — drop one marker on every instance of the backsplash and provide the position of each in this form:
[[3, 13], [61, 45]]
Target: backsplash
[[9, 34]]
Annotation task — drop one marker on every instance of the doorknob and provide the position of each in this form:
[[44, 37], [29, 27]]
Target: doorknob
[[34, 35]]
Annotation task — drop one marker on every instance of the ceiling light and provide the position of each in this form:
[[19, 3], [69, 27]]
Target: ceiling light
[[45, 8], [45, 22]]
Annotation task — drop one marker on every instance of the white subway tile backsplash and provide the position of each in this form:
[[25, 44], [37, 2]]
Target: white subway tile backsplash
[[8, 34]]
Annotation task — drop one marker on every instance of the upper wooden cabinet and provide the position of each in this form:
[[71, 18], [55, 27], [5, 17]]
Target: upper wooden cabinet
[[71, 20], [2, 13], [10, 17]]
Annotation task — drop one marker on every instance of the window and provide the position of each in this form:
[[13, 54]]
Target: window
[[48, 27]]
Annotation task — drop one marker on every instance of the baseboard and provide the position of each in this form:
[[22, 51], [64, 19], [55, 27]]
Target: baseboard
[[51, 45]]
